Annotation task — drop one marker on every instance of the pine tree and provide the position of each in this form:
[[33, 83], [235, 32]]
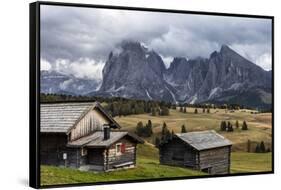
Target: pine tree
[[183, 129], [223, 126], [149, 131], [230, 128], [258, 149], [157, 142], [164, 129], [262, 147], [237, 124], [153, 111], [244, 126], [165, 111], [139, 128], [181, 109]]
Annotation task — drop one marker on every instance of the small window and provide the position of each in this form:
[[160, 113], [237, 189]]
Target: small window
[[64, 156], [123, 148], [118, 148], [84, 152]]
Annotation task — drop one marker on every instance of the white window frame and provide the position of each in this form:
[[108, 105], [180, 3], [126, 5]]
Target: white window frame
[[116, 149], [84, 151]]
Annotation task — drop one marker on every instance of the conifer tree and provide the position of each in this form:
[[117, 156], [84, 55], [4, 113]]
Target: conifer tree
[[237, 124], [262, 147], [244, 126], [183, 129]]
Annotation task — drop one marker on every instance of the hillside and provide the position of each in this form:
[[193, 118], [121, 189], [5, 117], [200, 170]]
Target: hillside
[[259, 124]]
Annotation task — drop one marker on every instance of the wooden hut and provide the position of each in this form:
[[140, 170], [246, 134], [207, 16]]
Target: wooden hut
[[84, 136], [206, 151]]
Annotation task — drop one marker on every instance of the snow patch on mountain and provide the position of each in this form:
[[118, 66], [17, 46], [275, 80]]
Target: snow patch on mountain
[[173, 95], [214, 92], [148, 95], [235, 86], [194, 99]]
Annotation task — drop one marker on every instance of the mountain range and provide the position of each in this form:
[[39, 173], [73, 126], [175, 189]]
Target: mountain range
[[135, 71]]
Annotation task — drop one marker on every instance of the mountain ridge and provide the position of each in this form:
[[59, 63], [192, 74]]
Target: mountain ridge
[[135, 71]]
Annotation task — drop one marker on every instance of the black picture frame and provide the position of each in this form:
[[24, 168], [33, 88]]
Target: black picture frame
[[34, 91]]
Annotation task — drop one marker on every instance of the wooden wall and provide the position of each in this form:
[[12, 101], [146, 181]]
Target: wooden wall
[[177, 153], [129, 155], [218, 160], [52, 148], [92, 121]]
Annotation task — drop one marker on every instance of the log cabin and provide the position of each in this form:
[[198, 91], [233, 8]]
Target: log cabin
[[84, 136], [206, 151]]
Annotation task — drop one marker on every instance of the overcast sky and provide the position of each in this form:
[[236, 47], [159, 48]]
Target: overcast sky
[[78, 40]]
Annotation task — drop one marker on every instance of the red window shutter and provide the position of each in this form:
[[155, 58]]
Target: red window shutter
[[123, 148]]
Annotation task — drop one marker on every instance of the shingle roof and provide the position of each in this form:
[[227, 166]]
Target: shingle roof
[[96, 139], [202, 140], [60, 117]]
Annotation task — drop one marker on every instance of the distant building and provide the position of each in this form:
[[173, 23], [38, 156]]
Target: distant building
[[206, 151], [84, 136]]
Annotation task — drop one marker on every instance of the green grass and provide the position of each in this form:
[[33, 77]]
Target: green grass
[[250, 162], [259, 124], [148, 167]]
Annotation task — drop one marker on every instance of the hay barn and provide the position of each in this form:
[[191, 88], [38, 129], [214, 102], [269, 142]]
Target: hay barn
[[206, 151]]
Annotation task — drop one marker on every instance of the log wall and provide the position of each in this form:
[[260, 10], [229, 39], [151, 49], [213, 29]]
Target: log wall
[[112, 158], [177, 153], [92, 121], [215, 161]]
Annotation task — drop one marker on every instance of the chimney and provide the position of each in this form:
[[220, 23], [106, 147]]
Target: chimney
[[106, 132]]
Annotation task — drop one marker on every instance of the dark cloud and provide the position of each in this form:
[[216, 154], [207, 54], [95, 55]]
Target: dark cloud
[[69, 33]]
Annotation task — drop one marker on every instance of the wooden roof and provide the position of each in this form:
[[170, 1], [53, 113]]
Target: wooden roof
[[202, 140], [97, 139], [61, 117]]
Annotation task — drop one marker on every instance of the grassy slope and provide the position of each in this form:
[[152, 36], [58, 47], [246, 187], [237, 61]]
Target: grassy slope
[[148, 167], [250, 162], [259, 124]]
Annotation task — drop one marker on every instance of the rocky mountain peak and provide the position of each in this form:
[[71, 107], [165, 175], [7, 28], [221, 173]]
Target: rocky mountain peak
[[132, 46], [225, 47]]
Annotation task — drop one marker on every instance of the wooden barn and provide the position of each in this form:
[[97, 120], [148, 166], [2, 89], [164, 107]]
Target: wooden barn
[[206, 151], [84, 136]]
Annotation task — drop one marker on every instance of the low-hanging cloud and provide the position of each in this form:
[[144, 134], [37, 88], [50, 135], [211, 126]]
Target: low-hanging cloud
[[80, 39]]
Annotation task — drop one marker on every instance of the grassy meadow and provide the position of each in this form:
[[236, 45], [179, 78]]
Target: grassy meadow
[[259, 125]]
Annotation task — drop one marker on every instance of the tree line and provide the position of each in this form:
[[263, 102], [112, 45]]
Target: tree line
[[115, 106]]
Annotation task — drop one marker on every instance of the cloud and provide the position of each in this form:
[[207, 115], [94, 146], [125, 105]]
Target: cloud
[[81, 68], [45, 65], [265, 61], [72, 33]]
